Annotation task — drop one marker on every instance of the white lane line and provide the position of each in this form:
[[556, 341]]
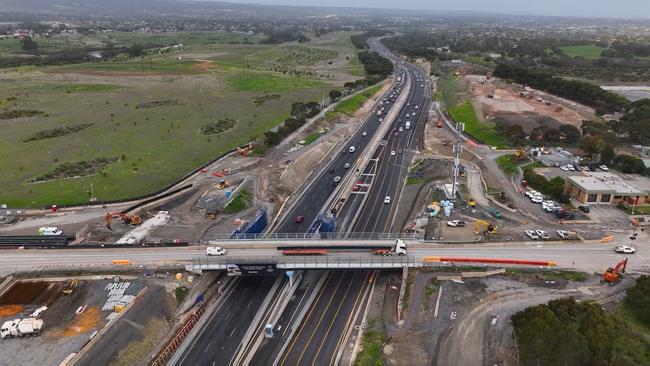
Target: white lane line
[[207, 347], [233, 331]]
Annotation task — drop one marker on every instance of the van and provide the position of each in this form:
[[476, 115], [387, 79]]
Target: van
[[215, 251], [49, 231], [351, 149]]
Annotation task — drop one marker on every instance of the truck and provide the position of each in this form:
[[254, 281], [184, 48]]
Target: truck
[[21, 328], [215, 251], [49, 231], [399, 249], [407, 125]]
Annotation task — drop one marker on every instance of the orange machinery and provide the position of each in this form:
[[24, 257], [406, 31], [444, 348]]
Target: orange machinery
[[126, 219], [613, 275]]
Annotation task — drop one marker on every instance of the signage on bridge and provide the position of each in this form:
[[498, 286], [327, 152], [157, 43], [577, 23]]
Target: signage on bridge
[[265, 269]]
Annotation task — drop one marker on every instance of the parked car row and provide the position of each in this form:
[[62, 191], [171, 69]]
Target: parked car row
[[543, 235], [551, 206]]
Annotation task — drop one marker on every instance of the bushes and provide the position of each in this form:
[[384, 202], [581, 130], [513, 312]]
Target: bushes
[[77, 169], [56, 132], [215, 128], [376, 66], [299, 114], [638, 298], [553, 188]]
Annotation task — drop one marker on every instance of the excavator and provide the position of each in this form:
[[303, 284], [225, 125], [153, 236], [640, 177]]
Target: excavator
[[133, 220], [70, 287], [614, 275], [484, 227], [246, 150]]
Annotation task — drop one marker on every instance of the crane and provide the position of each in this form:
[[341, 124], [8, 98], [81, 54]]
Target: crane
[[613, 275]]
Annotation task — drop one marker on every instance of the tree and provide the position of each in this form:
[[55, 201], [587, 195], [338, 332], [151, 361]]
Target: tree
[[335, 94], [272, 138], [28, 45], [591, 144], [607, 154], [571, 133], [637, 299]]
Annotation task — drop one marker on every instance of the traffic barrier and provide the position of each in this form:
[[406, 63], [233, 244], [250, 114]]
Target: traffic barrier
[[178, 339], [607, 239], [491, 261], [121, 262]]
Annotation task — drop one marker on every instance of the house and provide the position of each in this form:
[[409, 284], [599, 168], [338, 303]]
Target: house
[[608, 188]]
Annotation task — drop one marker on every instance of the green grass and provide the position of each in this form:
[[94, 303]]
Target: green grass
[[508, 164], [371, 353], [263, 82], [239, 203], [417, 180], [638, 210], [79, 88], [157, 65], [312, 137], [483, 132], [352, 104], [585, 51]]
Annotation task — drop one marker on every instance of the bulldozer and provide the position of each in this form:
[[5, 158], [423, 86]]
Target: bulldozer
[[222, 184], [484, 227], [70, 286], [614, 275]]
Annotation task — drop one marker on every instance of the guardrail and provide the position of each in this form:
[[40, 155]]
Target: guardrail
[[306, 262], [316, 236]]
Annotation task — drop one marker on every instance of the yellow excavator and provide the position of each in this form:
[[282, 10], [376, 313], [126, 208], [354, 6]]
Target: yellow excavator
[[484, 227], [70, 287]]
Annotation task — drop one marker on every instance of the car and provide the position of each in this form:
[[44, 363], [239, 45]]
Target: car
[[399, 151], [542, 234], [215, 251], [359, 182], [537, 199], [387, 199], [531, 193], [364, 133], [380, 119], [603, 168], [401, 129], [394, 129], [355, 188], [571, 167], [396, 134], [300, 219], [584, 209], [392, 153], [456, 223], [564, 167], [48, 230], [565, 234], [624, 249], [416, 107], [337, 179], [352, 149], [347, 165], [531, 234]]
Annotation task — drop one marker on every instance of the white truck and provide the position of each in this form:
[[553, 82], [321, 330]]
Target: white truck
[[215, 251], [398, 249], [407, 125], [21, 328], [49, 231]]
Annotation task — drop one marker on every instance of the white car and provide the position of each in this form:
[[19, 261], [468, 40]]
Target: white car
[[564, 167], [347, 165], [387, 199], [542, 234], [456, 223], [215, 251], [416, 107], [401, 129], [48, 230], [392, 153], [364, 133], [537, 199], [380, 119], [530, 194], [571, 167], [352, 149], [604, 168], [624, 249], [565, 234], [531, 234]]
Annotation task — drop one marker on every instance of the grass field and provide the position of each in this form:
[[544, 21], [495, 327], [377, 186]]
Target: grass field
[[351, 104], [508, 164], [483, 132], [585, 51], [155, 145]]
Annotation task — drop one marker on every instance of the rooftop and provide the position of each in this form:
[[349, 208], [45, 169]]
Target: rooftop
[[602, 182]]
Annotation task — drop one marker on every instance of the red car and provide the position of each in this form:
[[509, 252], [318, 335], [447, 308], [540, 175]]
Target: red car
[[355, 188], [300, 219]]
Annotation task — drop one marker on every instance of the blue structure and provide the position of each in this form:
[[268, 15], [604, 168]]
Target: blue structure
[[253, 227]]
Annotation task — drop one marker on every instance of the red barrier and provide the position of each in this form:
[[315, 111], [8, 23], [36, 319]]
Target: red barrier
[[491, 260]]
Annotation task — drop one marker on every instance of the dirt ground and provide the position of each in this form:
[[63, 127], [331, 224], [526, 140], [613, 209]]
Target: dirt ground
[[508, 105]]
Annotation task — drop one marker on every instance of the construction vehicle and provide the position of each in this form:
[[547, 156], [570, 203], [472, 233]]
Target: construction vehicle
[[484, 227], [223, 184], [133, 220], [399, 249], [614, 275], [471, 203], [21, 328], [520, 154], [70, 287]]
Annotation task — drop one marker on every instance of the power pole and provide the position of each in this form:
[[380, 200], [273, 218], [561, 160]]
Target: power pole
[[458, 149]]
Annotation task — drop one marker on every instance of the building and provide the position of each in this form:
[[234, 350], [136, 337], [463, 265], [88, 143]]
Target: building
[[607, 188]]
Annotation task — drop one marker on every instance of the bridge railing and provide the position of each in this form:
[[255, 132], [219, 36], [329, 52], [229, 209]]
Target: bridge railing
[[341, 261], [316, 236]]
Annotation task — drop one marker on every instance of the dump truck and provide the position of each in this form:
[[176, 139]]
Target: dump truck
[[399, 249], [21, 328]]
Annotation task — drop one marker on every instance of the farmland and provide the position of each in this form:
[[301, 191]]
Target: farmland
[[145, 117]]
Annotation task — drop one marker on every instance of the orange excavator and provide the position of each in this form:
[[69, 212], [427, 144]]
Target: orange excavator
[[246, 150], [613, 275], [133, 220]]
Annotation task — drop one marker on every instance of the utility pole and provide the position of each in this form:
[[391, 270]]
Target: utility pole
[[458, 148]]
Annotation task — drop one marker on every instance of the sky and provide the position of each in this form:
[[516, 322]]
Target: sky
[[582, 8]]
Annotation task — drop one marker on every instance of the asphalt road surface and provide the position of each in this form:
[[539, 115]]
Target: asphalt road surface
[[218, 340]]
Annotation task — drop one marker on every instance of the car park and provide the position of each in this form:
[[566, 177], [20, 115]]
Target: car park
[[624, 249], [531, 234], [456, 223], [387, 199]]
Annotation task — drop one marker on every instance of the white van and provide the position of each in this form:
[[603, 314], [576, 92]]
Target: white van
[[215, 251], [49, 231]]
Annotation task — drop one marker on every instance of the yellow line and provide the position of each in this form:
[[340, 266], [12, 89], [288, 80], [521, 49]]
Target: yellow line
[[338, 310], [302, 325], [302, 354], [340, 341]]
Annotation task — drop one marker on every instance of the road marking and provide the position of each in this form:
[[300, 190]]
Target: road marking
[[207, 347], [249, 304], [233, 331]]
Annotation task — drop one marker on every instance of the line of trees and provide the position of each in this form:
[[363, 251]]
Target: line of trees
[[377, 67], [300, 112], [592, 95], [68, 56], [360, 41]]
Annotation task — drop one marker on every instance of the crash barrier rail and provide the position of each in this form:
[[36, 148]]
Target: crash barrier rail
[[163, 356], [63, 242]]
